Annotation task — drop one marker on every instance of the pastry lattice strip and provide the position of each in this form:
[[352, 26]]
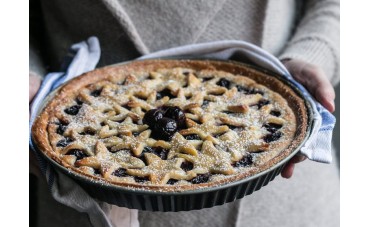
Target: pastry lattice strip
[[116, 115]]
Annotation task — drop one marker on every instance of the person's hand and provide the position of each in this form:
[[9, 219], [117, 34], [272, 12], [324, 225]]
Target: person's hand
[[34, 85], [316, 82], [34, 82]]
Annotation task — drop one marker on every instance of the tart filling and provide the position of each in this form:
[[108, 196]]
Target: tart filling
[[168, 123]]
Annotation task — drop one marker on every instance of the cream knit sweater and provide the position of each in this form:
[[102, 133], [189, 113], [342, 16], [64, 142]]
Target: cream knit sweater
[[307, 30]]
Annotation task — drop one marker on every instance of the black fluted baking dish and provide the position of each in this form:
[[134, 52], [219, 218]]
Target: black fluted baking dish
[[190, 199]]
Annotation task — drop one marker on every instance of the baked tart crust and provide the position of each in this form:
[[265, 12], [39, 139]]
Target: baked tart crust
[[171, 125]]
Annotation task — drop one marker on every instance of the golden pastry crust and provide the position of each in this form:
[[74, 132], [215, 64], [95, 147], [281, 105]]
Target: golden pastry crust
[[93, 125]]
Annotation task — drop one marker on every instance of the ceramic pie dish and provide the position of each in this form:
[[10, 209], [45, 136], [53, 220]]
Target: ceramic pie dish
[[173, 135]]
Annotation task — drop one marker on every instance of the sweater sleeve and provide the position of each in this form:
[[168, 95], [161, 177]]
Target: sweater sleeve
[[316, 38], [36, 63]]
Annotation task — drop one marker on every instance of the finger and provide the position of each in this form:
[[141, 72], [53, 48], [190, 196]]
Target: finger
[[326, 95], [288, 170], [34, 85], [319, 85], [315, 80], [298, 158]]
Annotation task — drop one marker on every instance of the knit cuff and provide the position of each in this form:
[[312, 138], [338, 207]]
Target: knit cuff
[[317, 51], [36, 65]]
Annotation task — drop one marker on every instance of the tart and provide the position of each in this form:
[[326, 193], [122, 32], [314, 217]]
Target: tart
[[171, 125]]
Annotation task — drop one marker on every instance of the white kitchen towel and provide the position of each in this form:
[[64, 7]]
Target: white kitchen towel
[[85, 55]]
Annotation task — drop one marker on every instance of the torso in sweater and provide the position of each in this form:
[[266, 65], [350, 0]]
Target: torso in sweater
[[129, 28]]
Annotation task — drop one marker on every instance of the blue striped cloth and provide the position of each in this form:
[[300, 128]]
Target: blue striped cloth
[[84, 57]]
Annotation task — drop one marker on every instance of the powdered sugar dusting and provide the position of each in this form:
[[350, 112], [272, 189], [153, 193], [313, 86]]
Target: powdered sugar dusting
[[229, 119]]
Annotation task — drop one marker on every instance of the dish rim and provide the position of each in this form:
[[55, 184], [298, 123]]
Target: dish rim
[[143, 191]]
